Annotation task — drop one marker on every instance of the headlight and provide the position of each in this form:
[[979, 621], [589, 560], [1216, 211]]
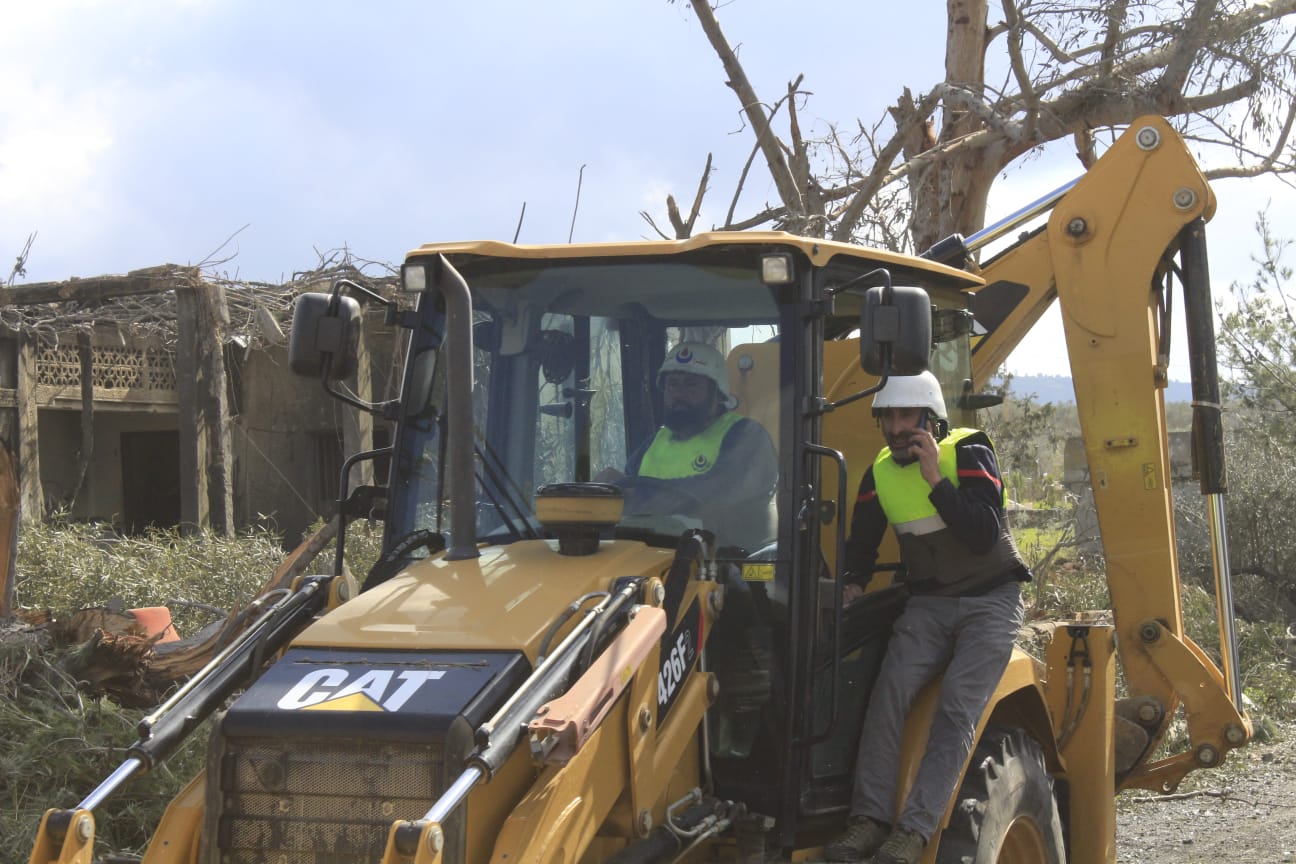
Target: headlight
[[414, 278], [776, 269]]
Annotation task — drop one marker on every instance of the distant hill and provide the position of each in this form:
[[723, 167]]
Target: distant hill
[[1057, 388]]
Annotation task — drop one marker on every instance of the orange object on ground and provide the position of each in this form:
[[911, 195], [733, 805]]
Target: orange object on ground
[[156, 621]]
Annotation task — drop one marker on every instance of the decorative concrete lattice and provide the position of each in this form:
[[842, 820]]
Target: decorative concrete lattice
[[112, 368]]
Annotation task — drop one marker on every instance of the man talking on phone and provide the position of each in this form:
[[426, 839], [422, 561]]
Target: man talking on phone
[[941, 492]]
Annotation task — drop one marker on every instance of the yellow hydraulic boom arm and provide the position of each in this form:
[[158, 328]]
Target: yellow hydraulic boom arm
[[1105, 255]]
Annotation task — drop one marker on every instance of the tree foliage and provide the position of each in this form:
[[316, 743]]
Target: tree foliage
[[1028, 434], [1258, 340], [1257, 343], [1028, 73]]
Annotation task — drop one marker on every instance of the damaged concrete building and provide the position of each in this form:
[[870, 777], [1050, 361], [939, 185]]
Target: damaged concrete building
[[164, 398]]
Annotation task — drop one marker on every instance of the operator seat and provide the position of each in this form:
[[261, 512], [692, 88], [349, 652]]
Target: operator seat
[[754, 383]]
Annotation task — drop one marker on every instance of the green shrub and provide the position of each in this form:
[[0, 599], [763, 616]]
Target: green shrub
[[61, 744], [64, 566], [363, 546], [1264, 665]]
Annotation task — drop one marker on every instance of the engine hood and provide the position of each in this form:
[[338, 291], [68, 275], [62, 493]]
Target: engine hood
[[504, 600]]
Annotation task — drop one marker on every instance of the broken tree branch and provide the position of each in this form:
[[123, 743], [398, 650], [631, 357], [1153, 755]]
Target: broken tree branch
[[751, 107]]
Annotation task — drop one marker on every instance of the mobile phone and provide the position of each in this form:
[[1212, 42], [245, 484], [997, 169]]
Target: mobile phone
[[939, 427]]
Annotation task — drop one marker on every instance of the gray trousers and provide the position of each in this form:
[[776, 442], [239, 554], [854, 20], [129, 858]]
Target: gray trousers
[[970, 639]]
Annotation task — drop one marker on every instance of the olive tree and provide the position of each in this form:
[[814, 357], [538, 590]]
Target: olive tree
[[1017, 77]]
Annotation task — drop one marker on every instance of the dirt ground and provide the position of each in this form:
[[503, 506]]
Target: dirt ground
[[1244, 811]]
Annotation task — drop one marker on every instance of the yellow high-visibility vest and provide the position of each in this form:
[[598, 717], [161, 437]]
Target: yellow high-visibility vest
[[901, 489], [671, 459]]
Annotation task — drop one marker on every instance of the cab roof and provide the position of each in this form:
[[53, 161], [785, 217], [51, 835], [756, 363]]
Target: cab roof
[[907, 269]]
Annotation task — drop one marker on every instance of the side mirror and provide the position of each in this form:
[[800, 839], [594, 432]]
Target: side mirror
[[325, 335], [422, 382], [895, 331]]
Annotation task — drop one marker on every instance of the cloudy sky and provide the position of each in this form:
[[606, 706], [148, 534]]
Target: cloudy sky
[[140, 132]]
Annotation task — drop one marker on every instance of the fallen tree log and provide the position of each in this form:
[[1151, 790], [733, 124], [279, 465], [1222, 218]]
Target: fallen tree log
[[110, 652]]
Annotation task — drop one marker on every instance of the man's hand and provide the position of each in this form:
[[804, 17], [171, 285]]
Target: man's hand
[[923, 445], [851, 592]]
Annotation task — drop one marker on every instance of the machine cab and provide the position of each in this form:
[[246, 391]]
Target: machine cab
[[572, 348]]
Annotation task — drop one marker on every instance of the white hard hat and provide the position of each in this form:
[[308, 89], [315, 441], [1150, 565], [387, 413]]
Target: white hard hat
[[912, 391], [697, 358]]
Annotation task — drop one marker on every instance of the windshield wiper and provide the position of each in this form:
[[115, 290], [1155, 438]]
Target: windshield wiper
[[504, 494]]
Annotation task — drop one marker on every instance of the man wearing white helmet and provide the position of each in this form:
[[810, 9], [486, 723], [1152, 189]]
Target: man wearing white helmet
[[941, 492], [721, 464]]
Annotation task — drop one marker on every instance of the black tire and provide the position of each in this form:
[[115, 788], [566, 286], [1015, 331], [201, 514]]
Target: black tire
[[1006, 812]]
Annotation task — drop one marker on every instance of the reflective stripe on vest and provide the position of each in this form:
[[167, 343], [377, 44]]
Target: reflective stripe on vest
[[670, 459], [904, 494]]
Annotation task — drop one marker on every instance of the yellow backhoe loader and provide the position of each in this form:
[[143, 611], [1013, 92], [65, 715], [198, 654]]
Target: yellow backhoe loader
[[546, 668]]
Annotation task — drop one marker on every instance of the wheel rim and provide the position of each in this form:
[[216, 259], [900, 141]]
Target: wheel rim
[[1022, 844]]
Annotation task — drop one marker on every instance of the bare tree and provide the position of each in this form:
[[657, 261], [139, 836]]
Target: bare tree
[[1223, 70]]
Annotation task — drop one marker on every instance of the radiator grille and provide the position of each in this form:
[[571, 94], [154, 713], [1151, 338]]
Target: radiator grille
[[321, 801]]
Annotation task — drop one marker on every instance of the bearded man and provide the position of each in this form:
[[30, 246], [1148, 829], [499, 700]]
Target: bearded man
[[712, 463]]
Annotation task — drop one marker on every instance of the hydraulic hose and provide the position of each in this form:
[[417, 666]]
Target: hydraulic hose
[[665, 842]]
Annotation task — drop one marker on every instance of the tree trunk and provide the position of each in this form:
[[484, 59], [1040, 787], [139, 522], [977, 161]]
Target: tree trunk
[[950, 196], [31, 496]]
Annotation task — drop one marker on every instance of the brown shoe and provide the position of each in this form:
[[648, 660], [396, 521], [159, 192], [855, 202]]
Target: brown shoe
[[862, 837], [902, 847]]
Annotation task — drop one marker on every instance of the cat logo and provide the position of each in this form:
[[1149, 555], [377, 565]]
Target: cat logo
[[372, 690]]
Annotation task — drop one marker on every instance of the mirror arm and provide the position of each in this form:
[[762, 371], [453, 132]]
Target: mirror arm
[[336, 393], [356, 287], [389, 410], [854, 397], [879, 277]]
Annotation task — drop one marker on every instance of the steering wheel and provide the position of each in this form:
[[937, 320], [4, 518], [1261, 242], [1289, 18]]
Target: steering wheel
[[652, 495]]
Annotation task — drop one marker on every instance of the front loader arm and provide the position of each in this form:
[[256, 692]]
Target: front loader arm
[[565, 772], [1104, 254], [625, 769]]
